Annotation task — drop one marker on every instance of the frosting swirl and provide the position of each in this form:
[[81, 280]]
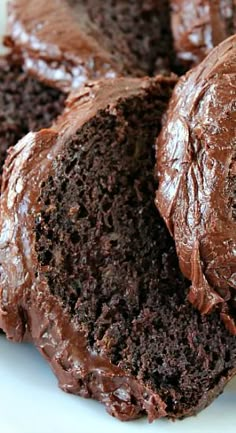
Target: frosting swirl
[[196, 154]]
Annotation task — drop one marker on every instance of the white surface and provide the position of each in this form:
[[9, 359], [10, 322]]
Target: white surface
[[2, 19], [30, 401]]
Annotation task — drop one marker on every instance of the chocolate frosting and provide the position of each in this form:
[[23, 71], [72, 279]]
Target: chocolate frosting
[[56, 44], [200, 25], [196, 154], [28, 311]]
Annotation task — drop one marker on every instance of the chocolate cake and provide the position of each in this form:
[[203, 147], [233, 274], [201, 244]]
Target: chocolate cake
[[200, 25], [25, 105], [71, 41], [89, 271], [197, 185]]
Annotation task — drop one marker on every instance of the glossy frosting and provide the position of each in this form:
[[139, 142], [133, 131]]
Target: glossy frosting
[[28, 311], [195, 160], [54, 46], [200, 25]]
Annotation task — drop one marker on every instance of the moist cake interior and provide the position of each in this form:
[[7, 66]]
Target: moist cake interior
[[25, 105], [137, 33], [108, 257]]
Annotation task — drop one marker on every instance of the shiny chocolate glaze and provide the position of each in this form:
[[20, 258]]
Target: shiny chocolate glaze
[[54, 47], [28, 311], [200, 25], [61, 43], [196, 154]]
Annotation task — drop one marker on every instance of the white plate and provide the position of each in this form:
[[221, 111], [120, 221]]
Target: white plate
[[30, 401]]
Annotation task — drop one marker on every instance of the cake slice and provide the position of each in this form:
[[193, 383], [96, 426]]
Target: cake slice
[[89, 271], [71, 41], [200, 25], [25, 104]]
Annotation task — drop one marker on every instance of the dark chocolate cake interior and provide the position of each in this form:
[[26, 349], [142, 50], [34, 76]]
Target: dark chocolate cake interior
[[25, 105], [108, 257], [137, 33]]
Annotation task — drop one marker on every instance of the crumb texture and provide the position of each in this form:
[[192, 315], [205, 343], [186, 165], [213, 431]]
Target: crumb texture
[[108, 257], [136, 33], [25, 105]]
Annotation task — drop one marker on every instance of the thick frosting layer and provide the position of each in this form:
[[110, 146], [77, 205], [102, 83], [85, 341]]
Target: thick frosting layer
[[200, 25], [54, 46], [27, 308], [68, 42], [196, 154]]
